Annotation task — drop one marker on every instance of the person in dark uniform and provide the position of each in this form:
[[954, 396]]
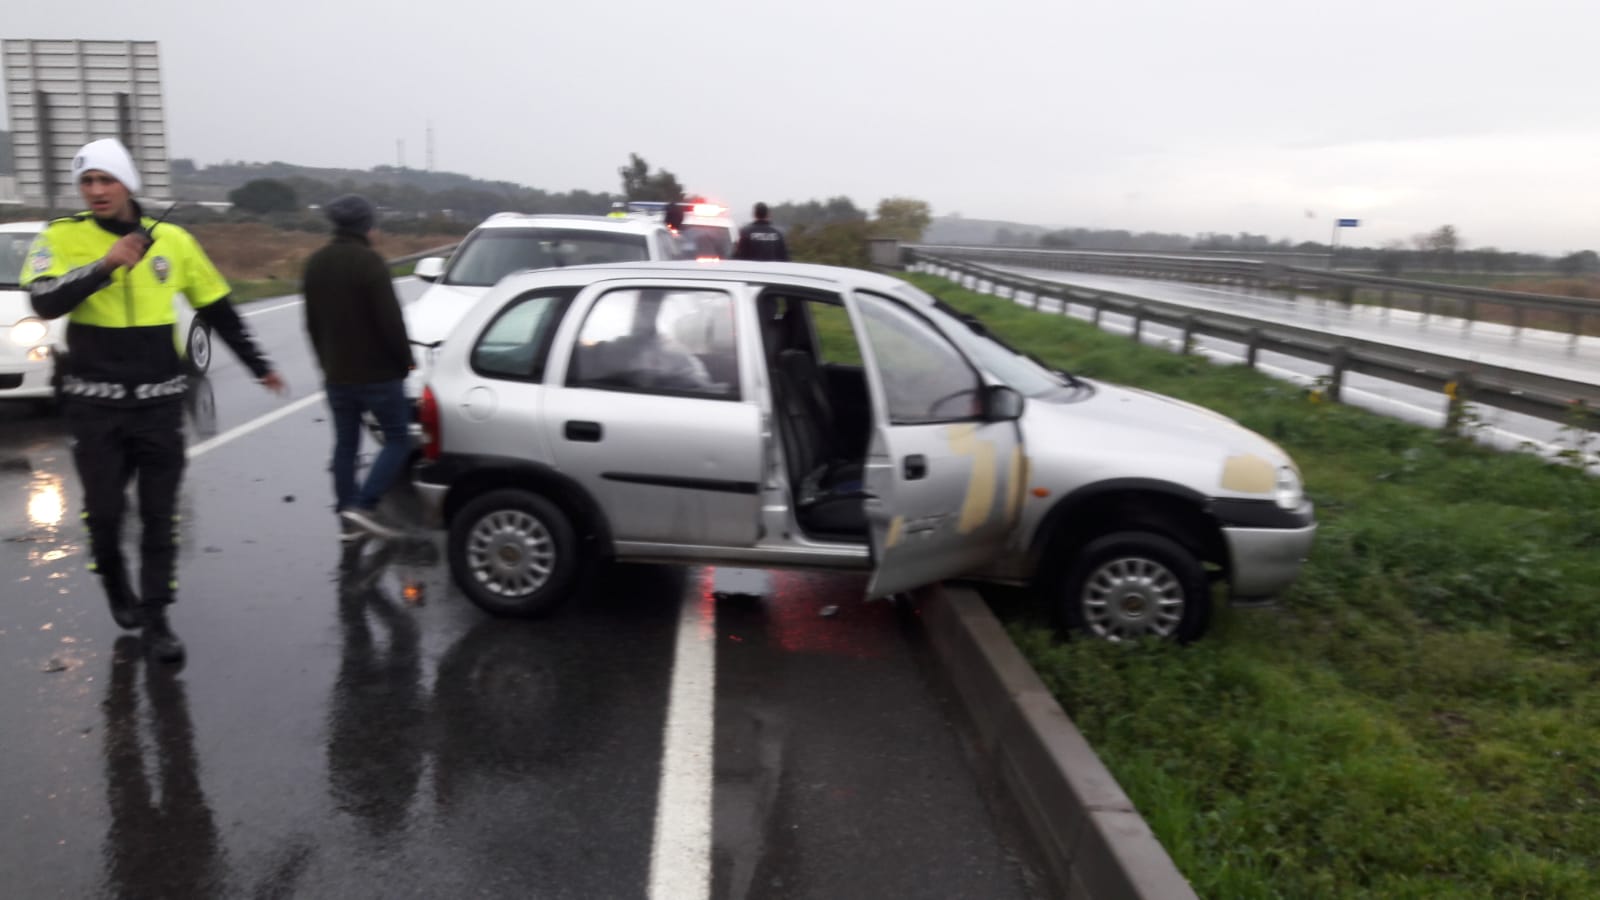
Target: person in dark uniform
[[761, 240], [115, 273], [672, 216]]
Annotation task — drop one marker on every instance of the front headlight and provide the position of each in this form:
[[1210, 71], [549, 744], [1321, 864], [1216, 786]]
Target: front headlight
[[28, 332], [1288, 492]]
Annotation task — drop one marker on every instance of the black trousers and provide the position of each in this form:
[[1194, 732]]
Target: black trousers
[[112, 446]]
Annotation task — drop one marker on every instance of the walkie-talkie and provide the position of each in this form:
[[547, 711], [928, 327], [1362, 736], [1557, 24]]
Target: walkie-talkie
[[149, 233]]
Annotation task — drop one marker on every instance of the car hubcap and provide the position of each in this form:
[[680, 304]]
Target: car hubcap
[[510, 553], [200, 348], [1132, 597]]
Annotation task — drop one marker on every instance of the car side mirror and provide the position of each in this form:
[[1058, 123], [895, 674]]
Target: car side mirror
[[1001, 403], [429, 269]]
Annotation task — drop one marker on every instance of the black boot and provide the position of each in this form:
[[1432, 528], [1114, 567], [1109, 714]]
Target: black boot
[[158, 637], [124, 602]]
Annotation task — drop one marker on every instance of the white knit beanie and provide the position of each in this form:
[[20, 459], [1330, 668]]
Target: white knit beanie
[[109, 156]]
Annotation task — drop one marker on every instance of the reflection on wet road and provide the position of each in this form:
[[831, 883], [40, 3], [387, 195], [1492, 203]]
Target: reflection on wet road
[[347, 725]]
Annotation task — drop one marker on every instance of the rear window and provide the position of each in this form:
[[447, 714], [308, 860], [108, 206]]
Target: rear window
[[491, 254], [707, 240]]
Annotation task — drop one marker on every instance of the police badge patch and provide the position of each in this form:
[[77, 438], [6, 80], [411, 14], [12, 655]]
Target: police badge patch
[[41, 259], [162, 268]]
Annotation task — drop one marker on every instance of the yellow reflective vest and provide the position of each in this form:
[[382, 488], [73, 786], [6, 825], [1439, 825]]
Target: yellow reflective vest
[[122, 344]]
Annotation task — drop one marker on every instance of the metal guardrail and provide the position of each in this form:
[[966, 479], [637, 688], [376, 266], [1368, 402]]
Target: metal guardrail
[[1462, 382], [1427, 297], [446, 250]]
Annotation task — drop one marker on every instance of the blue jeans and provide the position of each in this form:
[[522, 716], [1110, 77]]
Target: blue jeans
[[386, 400]]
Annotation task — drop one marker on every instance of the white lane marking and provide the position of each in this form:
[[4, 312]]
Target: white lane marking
[[261, 312], [680, 852], [233, 434]]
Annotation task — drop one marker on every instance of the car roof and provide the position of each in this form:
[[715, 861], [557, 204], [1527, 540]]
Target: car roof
[[13, 227], [564, 220], [812, 275]]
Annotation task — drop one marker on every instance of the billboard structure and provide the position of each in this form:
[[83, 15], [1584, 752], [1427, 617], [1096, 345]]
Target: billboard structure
[[62, 94]]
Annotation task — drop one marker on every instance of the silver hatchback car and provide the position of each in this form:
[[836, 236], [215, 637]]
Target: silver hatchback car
[[789, 415]]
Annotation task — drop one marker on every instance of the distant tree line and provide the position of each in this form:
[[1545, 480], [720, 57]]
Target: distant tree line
[[833, 229], [400, 193]]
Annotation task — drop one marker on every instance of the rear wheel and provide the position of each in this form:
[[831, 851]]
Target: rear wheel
[[513, 553], [1135, 584]]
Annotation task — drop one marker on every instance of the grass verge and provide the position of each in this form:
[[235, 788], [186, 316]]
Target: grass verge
[[1418, 718], [252, 289]]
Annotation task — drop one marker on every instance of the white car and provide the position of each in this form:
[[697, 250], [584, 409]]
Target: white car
[[30, 344], [707, 231], [512, 242], [787, 415]]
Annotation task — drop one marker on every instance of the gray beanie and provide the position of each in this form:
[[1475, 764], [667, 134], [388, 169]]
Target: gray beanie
[[352, 212]]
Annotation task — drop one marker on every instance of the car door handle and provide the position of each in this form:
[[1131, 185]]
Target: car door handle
[[915, 467], [584, 431]]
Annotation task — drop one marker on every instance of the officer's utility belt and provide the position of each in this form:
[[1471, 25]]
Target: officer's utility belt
[[73, 386]]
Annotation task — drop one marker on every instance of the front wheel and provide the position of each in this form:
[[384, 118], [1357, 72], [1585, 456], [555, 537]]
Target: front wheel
[[197, 352], [1135, 584], [513, 553]]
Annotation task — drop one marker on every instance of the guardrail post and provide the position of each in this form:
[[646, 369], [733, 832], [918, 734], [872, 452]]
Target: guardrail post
[[1252, 347], [1472, 314], [1427, 306], [1341, 358], [1099, 307], [1457, 392], [1388, 301], [1577, 327], [1138, 324], [1188, 336], [1516, 319]]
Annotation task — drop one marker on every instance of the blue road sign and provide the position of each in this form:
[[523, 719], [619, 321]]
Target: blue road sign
[[1349, 223]]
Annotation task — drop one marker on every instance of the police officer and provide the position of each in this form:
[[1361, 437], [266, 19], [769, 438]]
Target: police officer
[[761, 239], [672, 216], [114, 272]]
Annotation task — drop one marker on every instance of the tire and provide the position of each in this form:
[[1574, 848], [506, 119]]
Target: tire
[[513, 553], [197, 351], [1135, 584]]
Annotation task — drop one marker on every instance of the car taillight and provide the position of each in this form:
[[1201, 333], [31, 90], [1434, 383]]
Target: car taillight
[[428, 418]]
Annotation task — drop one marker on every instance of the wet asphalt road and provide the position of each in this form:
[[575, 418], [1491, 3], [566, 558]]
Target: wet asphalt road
[[331, 736]]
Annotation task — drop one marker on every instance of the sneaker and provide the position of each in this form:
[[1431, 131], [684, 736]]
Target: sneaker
[[367, 520], [158, 637], [350, 532], [124, 602]]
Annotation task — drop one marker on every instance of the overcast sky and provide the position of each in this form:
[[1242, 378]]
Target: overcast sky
[[1167, 115]]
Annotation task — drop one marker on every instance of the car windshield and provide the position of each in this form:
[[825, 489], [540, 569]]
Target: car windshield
[[13, 252], [493, 253], [707, 240], [1021, 373]]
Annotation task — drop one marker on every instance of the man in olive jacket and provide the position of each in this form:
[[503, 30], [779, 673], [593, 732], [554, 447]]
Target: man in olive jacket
[[354, 321]]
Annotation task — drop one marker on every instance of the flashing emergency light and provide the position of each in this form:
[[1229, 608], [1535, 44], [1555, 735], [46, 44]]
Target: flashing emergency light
[[709, 209]]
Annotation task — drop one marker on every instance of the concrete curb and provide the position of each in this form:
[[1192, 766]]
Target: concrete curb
[[1096, 844]]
